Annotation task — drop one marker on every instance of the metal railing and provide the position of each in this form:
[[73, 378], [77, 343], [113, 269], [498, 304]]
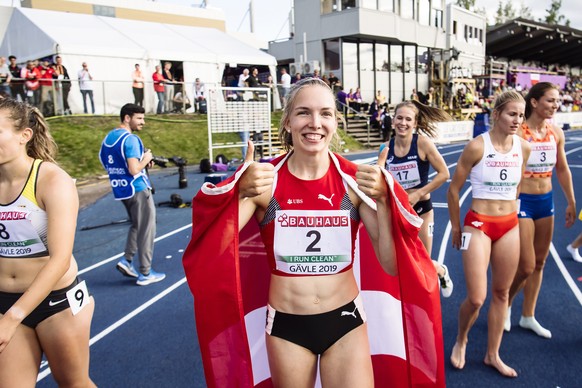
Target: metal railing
[[107, 97]]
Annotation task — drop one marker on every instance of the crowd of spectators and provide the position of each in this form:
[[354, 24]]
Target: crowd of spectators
[[42, 83]]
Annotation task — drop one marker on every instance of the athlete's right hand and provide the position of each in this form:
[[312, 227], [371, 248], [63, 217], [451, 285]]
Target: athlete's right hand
[[148, 157], [7, 330], [456, 237], [258, 177]]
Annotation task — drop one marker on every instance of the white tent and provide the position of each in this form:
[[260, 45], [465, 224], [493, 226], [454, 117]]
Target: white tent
[[111, 47]]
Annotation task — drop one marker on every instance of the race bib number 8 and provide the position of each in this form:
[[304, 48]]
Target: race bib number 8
[[18, 238], [312, 242]]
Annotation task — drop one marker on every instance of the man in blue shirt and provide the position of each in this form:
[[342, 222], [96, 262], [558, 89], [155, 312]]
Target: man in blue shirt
[[125, 159]]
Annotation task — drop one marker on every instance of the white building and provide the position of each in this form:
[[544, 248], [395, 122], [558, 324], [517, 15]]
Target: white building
[[466, 32], [378, 44]]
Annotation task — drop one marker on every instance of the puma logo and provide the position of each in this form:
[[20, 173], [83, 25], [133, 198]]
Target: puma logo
[[477, 224], [321, 196], [353, 313]]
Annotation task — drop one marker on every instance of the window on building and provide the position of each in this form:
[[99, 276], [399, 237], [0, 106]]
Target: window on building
[[423, 60], [382, 68], [396, 59], [349, 64], [328, 6], [396, 74], [424, 12], [346, 4], [331, 53], [407, 9], [102, 10], [438, 18], [366, 70], [466, 33], [481, 35], [382, 64], [409, 59], [386, 5], [455, 28]]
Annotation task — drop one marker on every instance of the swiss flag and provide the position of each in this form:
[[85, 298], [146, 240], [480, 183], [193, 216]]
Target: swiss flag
[[228, 275]]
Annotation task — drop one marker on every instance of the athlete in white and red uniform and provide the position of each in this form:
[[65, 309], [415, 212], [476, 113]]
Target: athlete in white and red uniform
[[309, 219], [495, 163]]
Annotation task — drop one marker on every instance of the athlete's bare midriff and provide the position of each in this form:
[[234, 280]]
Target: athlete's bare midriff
[[305, 295], [16, 275], [536, 185]]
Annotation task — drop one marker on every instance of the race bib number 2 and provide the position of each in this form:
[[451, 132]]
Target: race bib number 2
[[312, 242]]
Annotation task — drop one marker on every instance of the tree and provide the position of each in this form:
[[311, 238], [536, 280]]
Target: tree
[[508, 11], [467, 4], [553, 15], [499, 19]]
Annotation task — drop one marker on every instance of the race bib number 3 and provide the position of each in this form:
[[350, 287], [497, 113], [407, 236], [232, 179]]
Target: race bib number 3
[[312, 242], [78, 297]]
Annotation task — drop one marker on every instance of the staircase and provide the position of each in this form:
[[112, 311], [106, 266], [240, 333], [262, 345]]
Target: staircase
[[357, 128]]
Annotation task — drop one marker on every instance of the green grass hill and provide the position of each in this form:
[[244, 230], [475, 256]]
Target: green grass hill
[[79, 139]]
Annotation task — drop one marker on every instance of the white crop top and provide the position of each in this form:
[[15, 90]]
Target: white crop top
[[497, 175], [23, 224]]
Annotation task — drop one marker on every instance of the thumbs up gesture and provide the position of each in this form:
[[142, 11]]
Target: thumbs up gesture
[[370, 179], [258, 177]]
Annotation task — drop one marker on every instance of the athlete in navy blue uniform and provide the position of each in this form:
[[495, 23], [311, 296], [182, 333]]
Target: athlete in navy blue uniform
[[410, 156]]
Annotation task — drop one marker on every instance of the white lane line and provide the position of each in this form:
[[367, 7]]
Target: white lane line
[[112, 258], [573, 150], [569, 280], [121, 321]]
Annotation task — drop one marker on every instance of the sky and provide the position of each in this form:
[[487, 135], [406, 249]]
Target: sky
[[271, 16]]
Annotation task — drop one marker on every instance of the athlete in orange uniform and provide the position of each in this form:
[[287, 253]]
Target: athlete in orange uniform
[[536, 213]]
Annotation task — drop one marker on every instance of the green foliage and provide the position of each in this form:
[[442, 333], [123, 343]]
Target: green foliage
[[553, 15], [79, 139], [467, 4]]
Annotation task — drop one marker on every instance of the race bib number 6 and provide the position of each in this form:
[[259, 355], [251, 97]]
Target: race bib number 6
[[312, 242]]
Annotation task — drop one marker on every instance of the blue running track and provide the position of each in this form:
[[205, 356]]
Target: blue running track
[[146, 336]]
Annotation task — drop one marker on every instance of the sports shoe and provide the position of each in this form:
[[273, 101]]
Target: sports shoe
[[446, 283], [574, 252], [126, 268], [153, 277]]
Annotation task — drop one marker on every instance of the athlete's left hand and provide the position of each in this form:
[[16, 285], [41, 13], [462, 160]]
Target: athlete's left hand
[[370, 179]]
